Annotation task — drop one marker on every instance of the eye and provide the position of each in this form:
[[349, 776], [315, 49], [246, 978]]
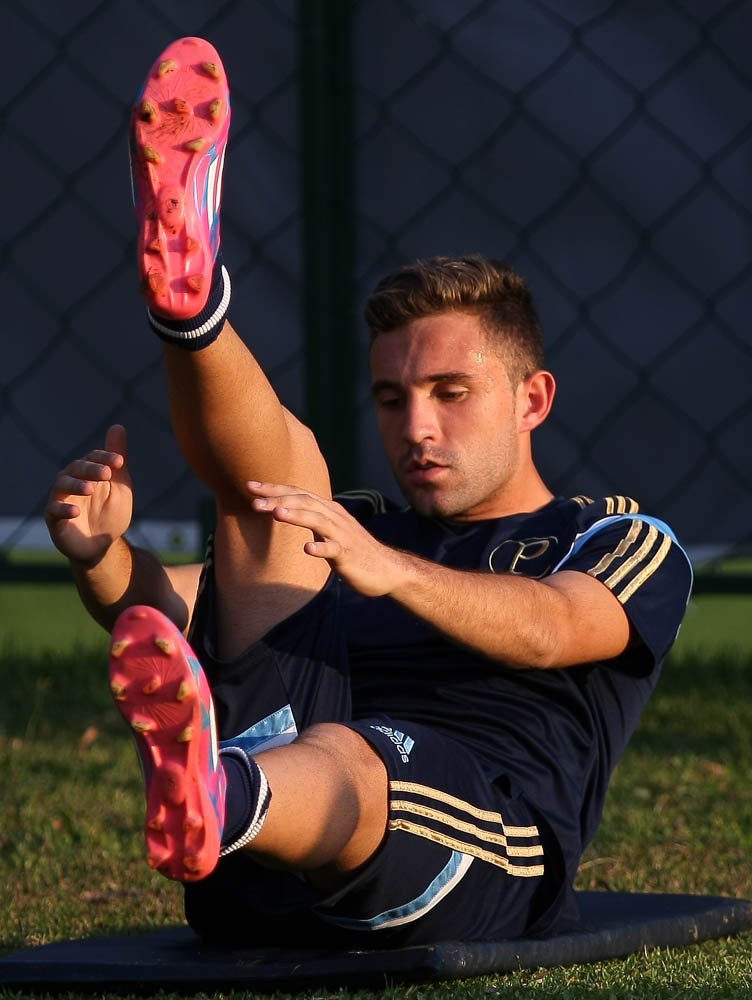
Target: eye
[[450, 394], [388, 402]]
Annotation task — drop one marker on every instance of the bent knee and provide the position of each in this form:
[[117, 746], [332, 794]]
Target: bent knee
[[353, 751]]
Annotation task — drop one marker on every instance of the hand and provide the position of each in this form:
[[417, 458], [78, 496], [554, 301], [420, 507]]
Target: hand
[[91, 502], [368, 566]]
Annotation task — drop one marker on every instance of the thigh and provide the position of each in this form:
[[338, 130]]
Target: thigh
[[296, 675]]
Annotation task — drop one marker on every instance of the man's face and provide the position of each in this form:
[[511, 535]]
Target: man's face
[[448, 417]]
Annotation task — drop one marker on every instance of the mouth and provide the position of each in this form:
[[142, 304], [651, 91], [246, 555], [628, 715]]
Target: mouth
[[424, 471]]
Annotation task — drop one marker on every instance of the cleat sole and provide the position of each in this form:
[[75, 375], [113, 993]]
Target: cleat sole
[[166, 702], [178, 144]]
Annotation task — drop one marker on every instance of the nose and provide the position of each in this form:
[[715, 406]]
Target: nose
[[420, 420]]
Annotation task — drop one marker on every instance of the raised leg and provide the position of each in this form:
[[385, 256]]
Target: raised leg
[[227, 417]]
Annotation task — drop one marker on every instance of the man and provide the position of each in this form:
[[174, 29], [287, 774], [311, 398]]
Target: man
[[418, 708]]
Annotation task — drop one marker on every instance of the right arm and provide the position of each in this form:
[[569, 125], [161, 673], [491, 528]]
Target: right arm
[[87, 514]]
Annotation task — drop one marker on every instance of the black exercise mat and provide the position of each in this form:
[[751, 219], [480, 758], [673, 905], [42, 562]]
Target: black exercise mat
[[614, 925]]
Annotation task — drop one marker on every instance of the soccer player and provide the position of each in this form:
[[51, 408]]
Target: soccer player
[[360, 720]]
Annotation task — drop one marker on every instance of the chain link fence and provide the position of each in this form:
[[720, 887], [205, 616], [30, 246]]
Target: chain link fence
[[601, 146]]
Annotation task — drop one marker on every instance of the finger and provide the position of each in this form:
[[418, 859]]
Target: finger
[[316, 521], [58, 510], [116, 441], [86, 469], [275, 490], [323, 549], [103, 459]]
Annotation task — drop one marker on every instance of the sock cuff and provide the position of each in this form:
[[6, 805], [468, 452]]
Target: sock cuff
[[258, 796], [201, 330]]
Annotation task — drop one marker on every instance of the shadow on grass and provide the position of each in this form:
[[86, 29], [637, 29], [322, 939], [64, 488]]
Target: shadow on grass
[[48, 692], [702, 706]]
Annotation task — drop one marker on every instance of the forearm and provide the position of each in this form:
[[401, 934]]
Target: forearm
[[508, 619], [125, 576], [562, 620]]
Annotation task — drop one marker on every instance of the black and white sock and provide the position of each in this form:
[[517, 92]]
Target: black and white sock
[[247, 799], [203, 329]]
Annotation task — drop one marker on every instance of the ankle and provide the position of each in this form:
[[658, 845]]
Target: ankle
[[198, 331], [247, 799]]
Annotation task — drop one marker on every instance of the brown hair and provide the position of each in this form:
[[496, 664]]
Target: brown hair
[[488, 288]]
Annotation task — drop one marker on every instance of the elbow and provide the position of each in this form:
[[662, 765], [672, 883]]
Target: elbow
[[541, 650]]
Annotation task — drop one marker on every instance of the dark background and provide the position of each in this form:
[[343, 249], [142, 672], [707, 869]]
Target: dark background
[[601, 147]]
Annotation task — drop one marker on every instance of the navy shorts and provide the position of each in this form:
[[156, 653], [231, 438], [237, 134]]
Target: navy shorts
[[463, 857]]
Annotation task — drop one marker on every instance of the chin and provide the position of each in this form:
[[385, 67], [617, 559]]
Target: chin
[[429, 504]]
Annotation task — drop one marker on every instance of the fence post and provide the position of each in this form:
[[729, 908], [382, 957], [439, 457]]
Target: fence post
[[328, 230]]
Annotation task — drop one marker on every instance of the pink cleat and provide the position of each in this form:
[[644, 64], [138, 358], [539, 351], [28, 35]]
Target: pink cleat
[[162, 693], [179, 127]]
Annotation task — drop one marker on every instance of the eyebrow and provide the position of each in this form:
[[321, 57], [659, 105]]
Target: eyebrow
[[385, 384]]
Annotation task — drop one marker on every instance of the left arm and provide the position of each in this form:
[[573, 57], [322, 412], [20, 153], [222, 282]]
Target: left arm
[[565, 619]]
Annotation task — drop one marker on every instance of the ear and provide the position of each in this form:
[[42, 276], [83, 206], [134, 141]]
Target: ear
[[535, 396]]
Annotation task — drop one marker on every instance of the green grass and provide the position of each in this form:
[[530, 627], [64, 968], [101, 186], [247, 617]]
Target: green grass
[[678, 818]]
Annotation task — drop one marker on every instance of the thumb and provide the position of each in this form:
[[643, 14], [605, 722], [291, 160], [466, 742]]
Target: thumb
[[116, 440]]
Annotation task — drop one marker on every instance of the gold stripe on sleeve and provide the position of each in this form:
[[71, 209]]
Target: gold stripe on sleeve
[[621, 549], [647, 571], [633, 561]]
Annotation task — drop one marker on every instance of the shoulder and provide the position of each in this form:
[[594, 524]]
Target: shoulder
[[625, 549]]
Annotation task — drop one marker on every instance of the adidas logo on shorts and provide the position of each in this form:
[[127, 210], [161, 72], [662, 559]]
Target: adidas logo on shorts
[[403, 743]]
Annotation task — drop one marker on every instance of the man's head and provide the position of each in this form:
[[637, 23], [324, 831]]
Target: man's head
[[456, 358], [488, 289]]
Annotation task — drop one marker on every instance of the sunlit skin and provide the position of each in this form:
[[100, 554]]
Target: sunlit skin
[[455, 430]]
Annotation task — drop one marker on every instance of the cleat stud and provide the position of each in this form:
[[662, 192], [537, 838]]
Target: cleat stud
[[192, 821], [184, 691], [150, 687], [148, 112], [211, 69], [192, 863], [196, 145], [118, 690], [191, 245], [154, 247], [166, 645], [142, 725], [118, 647], [181, 106], [155, 282], [214, 109], [166, 66], [186, 736], [151, 155], [156, 824], [195, 282]]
